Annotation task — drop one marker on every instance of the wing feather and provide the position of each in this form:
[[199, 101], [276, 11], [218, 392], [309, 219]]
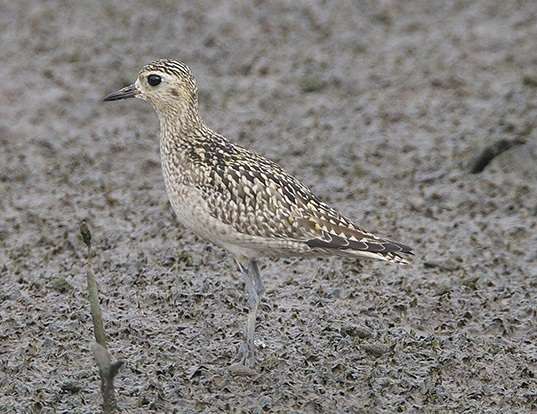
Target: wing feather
[[257, 197]]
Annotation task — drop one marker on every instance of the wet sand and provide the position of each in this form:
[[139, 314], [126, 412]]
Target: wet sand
[[380, 107]]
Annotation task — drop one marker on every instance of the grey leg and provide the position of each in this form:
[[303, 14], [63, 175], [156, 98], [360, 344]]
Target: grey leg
[[259, 287], [253, 286]]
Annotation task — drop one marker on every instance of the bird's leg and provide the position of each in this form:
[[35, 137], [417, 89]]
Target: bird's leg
[[258, 282], [253, 285]]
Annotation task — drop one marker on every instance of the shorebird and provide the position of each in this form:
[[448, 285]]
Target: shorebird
[[238, 199]]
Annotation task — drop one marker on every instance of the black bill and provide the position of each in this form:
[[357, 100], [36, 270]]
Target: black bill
[[124, 93]]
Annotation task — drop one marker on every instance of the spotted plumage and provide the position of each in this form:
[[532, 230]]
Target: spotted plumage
[[237, 198], [257, 197]]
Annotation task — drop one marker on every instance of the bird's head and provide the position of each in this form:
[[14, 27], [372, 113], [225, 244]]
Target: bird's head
[[166, 84]]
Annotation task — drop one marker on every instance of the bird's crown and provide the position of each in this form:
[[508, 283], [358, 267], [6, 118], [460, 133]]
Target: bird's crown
[[169, 66]]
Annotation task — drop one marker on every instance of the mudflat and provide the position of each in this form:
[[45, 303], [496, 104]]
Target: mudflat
[[380, 107]]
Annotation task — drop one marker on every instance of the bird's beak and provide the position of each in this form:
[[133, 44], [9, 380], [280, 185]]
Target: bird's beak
[[124, 93]]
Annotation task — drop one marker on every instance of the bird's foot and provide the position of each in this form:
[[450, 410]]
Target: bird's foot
[[246, 355], [244, 362]]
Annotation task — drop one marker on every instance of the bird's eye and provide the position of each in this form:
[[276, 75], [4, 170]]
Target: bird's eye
[[154, 80]]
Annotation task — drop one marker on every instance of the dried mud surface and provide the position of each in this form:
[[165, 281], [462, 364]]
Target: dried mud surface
[[379, 106]]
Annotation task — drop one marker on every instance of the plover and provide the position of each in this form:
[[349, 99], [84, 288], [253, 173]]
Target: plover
[[238, 199]]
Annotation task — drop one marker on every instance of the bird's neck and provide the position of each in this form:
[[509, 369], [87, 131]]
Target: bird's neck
[[180, 123]]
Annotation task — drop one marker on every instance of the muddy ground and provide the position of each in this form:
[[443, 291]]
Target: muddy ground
[[379, 106]]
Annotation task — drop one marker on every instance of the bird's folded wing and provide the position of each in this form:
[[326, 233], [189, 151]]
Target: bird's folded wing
[[257, 197], [339, 233]]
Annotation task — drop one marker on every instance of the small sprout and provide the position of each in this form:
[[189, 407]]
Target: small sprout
[[310, 84], [435, 344], [359, 171], [70, 387], [59, 284], [359, 331], [107, 369], [376, 349], [530, 80]]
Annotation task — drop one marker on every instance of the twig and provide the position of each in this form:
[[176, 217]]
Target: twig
[[491, 152], [107, 369]]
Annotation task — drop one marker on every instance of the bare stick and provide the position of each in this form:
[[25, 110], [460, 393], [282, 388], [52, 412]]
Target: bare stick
[[107, 369]]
